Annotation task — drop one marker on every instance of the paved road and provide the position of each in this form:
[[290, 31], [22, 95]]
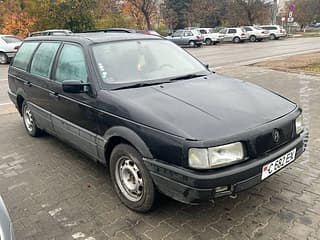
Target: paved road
[[54, 192], [226, 54]]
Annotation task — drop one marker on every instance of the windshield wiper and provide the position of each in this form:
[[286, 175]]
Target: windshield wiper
[[188, 76], [137, 85]]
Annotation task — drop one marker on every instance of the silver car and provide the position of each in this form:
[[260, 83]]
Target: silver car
[[255, 33], [275, 31], [9, 45], [210, 36], [6, 230], [191, 38], [235, 34]]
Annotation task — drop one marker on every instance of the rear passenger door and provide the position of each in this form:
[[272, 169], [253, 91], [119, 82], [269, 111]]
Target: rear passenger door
[[73, 114], [33, 68]]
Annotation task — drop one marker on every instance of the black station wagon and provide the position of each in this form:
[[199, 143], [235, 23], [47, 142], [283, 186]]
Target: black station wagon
[[154, 114]]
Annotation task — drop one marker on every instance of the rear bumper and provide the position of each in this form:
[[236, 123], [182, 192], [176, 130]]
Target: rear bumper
[[195, 186]]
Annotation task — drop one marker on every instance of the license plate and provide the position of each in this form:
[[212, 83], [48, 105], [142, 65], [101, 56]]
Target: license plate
[[277, 164]]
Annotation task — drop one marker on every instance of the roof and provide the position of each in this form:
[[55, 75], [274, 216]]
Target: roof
[[96, 37]]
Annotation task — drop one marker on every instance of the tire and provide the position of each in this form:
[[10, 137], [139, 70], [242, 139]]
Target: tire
[[192, 44], [131, 180], [208, 41], [236, 40], [3, 58], [29, 121], [253, 38], [272, 37]]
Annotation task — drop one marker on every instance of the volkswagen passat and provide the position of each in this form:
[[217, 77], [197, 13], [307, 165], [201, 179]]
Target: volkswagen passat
[[154, 114]]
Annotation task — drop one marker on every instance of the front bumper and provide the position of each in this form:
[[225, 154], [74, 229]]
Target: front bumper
[[193, 187]]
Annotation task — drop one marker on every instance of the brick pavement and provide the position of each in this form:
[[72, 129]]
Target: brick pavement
[[54, 192]]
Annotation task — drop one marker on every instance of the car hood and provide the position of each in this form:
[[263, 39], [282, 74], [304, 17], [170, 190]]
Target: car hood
[[204, 108]]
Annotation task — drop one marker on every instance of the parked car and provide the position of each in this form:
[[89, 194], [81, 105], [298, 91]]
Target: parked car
[[6, 229], [210, 36], [255, 33], [235, 35], [51, 32], [155, 115], [191, 38], [9, 45], [275, 31]]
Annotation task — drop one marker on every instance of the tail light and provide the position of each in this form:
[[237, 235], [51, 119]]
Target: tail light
[[243, 34], [198, 37], [281, 31], [16, 48]]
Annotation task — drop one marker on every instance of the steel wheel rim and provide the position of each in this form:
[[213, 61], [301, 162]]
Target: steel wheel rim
[[192, 44], [2, 58], [28, 119], [129, 179]]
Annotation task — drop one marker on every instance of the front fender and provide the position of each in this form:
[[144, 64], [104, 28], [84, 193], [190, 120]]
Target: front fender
[[130, 136]]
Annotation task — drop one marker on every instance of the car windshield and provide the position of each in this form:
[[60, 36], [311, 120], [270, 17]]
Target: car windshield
[[11, 39], [130, 62]]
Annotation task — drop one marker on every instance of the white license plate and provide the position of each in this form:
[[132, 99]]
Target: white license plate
[[277, 164]]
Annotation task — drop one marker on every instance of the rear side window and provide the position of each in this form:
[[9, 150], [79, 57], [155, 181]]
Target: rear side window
[[188, 34], [71, 64], [232, 30], [11, 39], [23, 56], [43, 59]]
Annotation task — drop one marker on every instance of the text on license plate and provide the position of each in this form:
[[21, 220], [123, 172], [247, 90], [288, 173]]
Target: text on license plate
[[277, 164]]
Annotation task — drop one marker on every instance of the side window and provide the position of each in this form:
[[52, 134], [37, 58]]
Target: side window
[[248, 29], [177, 34], [71, 64], [43, 59], [188, 34], [203, 31], [232, 30], [23, 56]]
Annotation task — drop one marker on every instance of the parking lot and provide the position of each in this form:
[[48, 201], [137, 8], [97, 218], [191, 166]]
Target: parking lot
[[54, 192]]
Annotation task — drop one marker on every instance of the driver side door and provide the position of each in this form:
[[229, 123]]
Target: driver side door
[[74, 116]]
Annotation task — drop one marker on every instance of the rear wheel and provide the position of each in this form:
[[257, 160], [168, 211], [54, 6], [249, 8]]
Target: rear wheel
[[132, 181], [29, 121], [192, 44], [3, 58], [272, 37], [236, 40], [252, 38], [208, 41]]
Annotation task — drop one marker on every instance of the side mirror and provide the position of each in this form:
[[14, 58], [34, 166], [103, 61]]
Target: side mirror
[[207, 66], [74, 86]]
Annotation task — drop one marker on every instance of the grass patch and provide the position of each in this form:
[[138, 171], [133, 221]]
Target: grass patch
[[306, 34], [312, 68]]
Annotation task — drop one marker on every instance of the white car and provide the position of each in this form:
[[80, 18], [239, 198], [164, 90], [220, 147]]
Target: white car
[[9, 45], [275, 31], [255, 33], [235, 35], [210, 36]]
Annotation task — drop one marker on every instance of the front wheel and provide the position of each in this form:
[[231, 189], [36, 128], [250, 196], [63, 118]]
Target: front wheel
[[131, 180], [253, 38], [29, 121], [3, 58]]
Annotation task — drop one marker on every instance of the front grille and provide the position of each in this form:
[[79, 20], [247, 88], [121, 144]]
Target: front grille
[[265, 142]]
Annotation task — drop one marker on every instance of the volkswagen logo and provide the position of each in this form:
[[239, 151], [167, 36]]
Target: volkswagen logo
[[276, 135]]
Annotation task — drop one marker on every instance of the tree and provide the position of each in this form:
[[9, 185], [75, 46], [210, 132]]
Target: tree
[[180, 11], [146, 7], [307, 11]]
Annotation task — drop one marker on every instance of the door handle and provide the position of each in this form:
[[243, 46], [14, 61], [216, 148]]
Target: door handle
[[54, 95], [28, 84]]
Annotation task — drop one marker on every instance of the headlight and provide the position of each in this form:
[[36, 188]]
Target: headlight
[[299, 125], [216, 156]]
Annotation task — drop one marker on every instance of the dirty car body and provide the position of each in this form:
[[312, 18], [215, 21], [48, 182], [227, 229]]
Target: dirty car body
[[156, 115]]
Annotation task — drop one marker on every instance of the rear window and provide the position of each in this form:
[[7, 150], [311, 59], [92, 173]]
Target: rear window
[[11, 39], [24, 54], [43, 59]]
